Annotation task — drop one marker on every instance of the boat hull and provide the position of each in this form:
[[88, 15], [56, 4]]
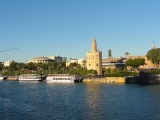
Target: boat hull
[[59, 81], [30, 79]]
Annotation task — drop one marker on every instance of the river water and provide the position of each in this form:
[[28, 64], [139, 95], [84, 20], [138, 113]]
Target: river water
[[78, 101]]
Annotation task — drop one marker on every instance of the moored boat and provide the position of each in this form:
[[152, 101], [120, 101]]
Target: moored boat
[[30, 77], [62, 78]]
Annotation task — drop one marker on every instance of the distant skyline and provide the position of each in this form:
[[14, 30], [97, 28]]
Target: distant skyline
[[66, 27]]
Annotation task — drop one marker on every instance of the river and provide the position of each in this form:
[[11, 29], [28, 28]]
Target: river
[[78, 101]]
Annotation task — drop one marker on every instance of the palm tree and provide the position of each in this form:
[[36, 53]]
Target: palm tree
[[109, 53], [126, 53], [84, 63]]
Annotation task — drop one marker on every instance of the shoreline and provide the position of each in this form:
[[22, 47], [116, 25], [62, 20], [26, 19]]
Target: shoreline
[[150, 79]]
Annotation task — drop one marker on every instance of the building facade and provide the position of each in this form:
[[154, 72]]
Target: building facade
[[113, 63], [94, 58], [7, 63], [40, 60], [56, 58], [78, 61]]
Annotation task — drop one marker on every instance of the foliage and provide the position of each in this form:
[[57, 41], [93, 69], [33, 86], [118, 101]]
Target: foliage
[[135, 63], [157, 72], [109, 53], [45, 68], [118, 73], [126, 53], [154, 55], [1, 66]]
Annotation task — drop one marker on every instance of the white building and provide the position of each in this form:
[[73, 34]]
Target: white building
[[7, 63], [78, 61], [41, 59], [56, 58]]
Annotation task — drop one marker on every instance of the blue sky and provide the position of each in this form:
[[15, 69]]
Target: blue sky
[[66, 27]]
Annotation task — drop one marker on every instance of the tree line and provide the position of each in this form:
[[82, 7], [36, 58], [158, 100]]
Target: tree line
[[16, 68]]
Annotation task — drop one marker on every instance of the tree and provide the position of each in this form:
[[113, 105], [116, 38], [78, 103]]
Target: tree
[[84, 63], [153, 55], [109, 53], [158, 58], [31, 66], [135, 63], [126, 53]]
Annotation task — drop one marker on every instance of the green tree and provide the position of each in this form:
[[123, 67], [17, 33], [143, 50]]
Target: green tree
[[31, 66], [126, 53], [153, 55], [109, 53], [1, 66], [158, 58], [13, 66], [135, 63]]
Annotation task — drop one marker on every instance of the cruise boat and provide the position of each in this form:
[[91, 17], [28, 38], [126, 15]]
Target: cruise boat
[[62, 78], [2, 77], [30, 77]]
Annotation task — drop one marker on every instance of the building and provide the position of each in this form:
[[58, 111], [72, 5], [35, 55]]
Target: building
[[94, 58], [7, 63], [82, 62], [64, 59], [56, 58], [41, 59], [113, 63], [147, 65], [74, 60]]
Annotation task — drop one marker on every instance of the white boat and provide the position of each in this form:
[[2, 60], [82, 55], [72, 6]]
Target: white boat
[[62, 78], [3, 77], [30, 77]]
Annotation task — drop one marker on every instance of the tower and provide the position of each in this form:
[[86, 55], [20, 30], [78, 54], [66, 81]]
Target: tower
[[94, 58], [94, 45], [153, 46]]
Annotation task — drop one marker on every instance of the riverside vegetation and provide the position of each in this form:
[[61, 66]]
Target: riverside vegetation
[[74, 68], [131, 67]]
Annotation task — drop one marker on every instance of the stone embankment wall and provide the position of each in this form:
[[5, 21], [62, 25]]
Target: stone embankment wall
[[153, 79], [106, 79]]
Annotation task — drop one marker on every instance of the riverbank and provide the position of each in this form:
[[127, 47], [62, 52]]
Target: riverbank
[[142, 79], [146, 79]]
